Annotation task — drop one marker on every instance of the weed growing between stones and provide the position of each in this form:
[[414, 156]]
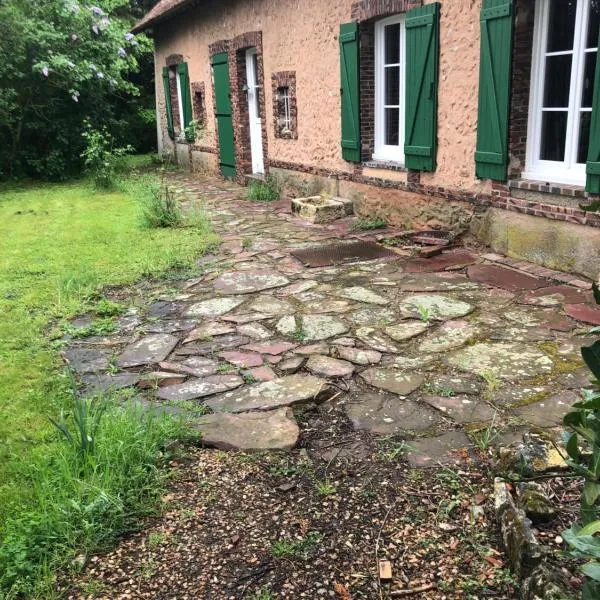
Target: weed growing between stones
[[264, 191], [369, 223]]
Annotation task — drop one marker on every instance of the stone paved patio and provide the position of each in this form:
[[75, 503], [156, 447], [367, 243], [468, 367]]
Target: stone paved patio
[[433, 350]]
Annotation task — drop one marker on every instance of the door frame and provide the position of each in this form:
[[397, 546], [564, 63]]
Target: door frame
[[254, 113]]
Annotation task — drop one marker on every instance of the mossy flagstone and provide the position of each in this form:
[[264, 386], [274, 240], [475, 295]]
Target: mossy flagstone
[[392, 380], [406, 330], [248, 282], [440, 308], [362, 294], [213, 307], [312, 328]]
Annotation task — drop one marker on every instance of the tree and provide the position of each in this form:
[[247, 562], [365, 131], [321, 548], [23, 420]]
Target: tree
[[62, 62]]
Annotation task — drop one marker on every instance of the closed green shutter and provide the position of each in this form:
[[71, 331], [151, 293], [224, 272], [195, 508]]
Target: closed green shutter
[[497, 25], [422, 58], [168, 108], [593, 158], [186, 97], [350, 91]]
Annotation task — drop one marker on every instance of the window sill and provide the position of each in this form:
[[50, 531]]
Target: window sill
[[385, 164], [546, 187]]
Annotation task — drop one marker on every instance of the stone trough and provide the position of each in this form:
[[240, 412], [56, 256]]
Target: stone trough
[[322, 209]]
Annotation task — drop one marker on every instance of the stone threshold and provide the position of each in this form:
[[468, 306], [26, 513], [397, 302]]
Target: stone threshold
[[547, 187]]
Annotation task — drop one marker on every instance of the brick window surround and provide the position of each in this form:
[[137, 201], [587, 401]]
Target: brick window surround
[[280, 81], [172, 61], [367, 12], [199, 102]]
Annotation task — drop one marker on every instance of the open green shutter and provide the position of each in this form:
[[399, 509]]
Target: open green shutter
[[593, 158], [422, 59], [497, 25], [186, 97], [350, 91], [168, 108]]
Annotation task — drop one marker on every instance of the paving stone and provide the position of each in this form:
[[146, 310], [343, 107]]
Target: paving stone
[[243, 360], [329, 306], [344, 341], [454, 384], [392, 380], [373, 316], [87, 360], [521, 334], [361, 294], [507, 279], [99, 383], [375, 339], [439, 308], [208, 330], [248, 282], [583, 313], [160, 379], [310, 297], [158, 310], [357, 355], [213, 307], [550, 411], [447, 450], [313, 327], [247, 318], [256, 331], [462, 409], [511, 361], [508, 395], [196, 366], [450, 335], [436, 282], [406, 330], [217, 344], [555, 295], [148, 350], [285, 391], [263, 373], [384, 414], [291, 365], [577, 380], [412, 363], [329, 367], [273, 348], [246, 432], [298, 287], [174, 326], [312, 349], [441, 262], [200, 388], [271, 306]]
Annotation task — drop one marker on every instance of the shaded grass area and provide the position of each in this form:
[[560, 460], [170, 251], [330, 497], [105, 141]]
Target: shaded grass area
[[59, 245]]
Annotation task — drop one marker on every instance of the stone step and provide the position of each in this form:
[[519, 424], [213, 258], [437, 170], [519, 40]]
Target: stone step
[[322, 209]]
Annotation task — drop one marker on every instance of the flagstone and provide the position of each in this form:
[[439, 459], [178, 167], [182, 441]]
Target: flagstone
[[437, 307], [447, 260], [197, 366], [385, 414], [244, 360], [375, 339], [271, 306], [451, 449], [312, 349], [257, 431], [213, 307], [105, 382], [285, 391], [200, 388], [412, 363], [450, 335], [436, 282], [298, 287], [246, 318], [555, 295], [584, 313], [291, 365], [505, 360], [392, 380], [256, 331], [497, 276], [462, 409], [357, 355], [313, 328], [329, 367], [168, 326], [273, 348], [373, 316], [406, 330], [264, 373], [148, 350], [87, 360], [361, 294], [550, 411], [452, 384], [160, 379], [208, 330]]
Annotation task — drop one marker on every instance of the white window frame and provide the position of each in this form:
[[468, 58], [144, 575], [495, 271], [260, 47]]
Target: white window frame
[[287, 115], [179, 100], [384, 151], [568, 171]]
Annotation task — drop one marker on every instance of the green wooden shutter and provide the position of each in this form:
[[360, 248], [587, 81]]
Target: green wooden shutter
[[497, 25], [168, 108], [186, 97], [350, 91], [422, 58], [593, 158]]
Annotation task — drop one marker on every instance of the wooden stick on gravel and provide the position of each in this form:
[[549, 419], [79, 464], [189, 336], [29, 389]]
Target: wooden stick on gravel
[[418, 590]]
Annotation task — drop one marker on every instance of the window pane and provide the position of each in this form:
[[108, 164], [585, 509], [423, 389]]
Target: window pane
[[392, 86], [588, 79], [594, 24], [561, 25], [392, 126], [392, 44], [584, 136], [554, 131], [557, 83]]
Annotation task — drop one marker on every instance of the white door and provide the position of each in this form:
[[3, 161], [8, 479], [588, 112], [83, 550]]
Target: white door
[[256, 148]]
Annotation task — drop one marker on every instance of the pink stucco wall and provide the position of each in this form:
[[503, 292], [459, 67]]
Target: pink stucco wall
[[302, 36]]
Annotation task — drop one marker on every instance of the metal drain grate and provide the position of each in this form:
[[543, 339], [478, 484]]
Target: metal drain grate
[[325, 256]]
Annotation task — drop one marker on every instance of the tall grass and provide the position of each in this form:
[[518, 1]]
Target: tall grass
[[105, 475]]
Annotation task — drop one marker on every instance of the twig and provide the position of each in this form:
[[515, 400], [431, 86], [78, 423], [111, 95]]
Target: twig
[[387, 514], [417, 590]]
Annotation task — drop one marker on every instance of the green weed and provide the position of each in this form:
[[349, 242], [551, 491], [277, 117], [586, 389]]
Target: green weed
[[264, 191], [369, 223]]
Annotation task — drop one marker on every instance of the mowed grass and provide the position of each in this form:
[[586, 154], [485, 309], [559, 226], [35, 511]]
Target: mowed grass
[[59, 245]]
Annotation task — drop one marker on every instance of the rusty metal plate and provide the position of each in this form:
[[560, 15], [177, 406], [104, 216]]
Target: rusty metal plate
[[335, 254]]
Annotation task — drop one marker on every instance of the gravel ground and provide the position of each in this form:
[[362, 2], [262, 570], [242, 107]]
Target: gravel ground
[[312, 524]]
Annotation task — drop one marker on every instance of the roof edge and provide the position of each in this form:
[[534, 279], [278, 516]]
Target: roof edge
[[150, 20]]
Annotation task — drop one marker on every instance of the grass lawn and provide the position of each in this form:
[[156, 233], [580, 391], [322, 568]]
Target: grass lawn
[[59, 244]]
